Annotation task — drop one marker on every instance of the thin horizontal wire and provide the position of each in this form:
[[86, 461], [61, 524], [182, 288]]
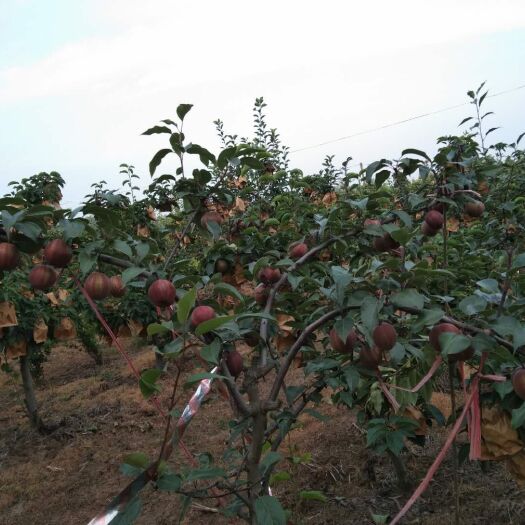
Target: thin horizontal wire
[[399, 122]]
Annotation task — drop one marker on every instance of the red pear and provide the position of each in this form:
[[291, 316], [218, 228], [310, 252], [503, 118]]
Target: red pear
[[42, 277], [58, 253], [9, 256], [201, 314], [97, 285], [341, 346], [385, 336], [162, 293]]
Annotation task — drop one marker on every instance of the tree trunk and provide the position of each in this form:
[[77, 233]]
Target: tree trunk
[[401, 473], [29, 393]]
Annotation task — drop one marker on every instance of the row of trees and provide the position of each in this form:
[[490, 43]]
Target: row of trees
[[362, 279]]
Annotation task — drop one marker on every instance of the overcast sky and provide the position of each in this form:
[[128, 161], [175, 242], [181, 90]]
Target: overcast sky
[[79, 81]]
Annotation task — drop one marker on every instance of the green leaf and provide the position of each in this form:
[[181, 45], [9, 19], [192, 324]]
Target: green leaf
[[123, 247], [195, 378], [29, 229], [489, 285], [137, 459], [130, 273], [256, 315], [185, 305], [157, 159], [183, 109], [212, 324], [408, 298], [205, 156], [343, 327], [86, 262], [404, 216], [147, 382], [518, 416], [210, 353], [370, 312], [312, 495], [205, 473], [518, 262], [268, 460], [453, 343], [268, 511], [157, 129], [156, 328], [472, 305], [278, 477], [418, 152], [129, 513], [169, 482], [228, 289], [427, 318]]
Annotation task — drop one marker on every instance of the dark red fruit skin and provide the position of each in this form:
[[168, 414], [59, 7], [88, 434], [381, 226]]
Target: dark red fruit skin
[[427, 230], [222, 266], [465, 355], [201, 314], [370, 357], [439, 206], [379, 244], [434, 219], [251, 339], [234, 362], [117, 288], [269, 275], [389, 242], [162, 293], [385, 336], [296, 251], [58, 253], [261, 294], [475, 209], [339, 345], [211, 216], [518, 382], [97, 285], [439, 329], [9, 256], [42, 277]]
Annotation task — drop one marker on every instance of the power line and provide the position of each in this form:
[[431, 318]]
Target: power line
[[392, 124]]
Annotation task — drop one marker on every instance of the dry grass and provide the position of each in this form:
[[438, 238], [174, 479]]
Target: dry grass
[[68, 476]]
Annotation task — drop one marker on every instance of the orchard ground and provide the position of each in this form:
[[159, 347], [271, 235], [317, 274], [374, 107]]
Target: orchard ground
[[71, 474]]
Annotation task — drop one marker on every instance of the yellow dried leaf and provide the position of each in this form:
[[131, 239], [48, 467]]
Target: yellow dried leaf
[[17, 349], [329, 198], [151, 213], [240, 205], [52, 298], [498, 438], [516, 466], [7, 315], [452, 224], [143, 231], [415, 414], [65, 330], [62, 294], [123, 331], [284, 321], [40, 331], [135, 327], [284, 342]]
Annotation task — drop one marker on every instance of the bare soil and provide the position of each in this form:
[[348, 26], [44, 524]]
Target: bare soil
[[68, 476]]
